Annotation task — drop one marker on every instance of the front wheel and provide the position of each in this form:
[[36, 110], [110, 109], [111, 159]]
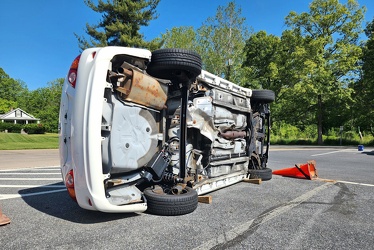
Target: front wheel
[[263, 95], [265, 174], [161, 203]]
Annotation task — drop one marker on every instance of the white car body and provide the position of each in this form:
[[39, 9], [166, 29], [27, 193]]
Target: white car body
[[89, 132]]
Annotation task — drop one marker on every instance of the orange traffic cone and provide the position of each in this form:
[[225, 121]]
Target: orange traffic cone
[[3, 219], [302, 171]]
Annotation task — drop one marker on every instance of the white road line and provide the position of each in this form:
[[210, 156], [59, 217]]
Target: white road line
[[35, 168], [332, 152], [31, 169], [56, 166], [345, 182], [30, 173], [32, 186], [241, 229], [13, 196], [357, 183], [46, 169], [30, 179], [5, 171]]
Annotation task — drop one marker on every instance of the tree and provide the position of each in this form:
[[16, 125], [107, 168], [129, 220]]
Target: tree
[[221, 42], [6, 105], [44, 103], [331, 31], [120, 24], [262, 61], [312, 65], [12, 92], [179, 37], [364, 87]]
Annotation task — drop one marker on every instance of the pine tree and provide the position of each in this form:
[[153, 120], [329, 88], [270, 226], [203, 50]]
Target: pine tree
[[120, 23]]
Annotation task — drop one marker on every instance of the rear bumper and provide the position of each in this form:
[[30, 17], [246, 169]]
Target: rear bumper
[[81, 150]]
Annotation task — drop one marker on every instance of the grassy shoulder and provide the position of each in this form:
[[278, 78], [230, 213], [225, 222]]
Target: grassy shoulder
[[15, 141], [327, 141], [286, 134]]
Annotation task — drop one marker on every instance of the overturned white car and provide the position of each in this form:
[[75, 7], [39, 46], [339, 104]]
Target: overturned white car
[[152, 131]]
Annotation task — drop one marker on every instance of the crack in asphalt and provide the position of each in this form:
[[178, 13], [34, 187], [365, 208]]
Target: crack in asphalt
[[236, 235]]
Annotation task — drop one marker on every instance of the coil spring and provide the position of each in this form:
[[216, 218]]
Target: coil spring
[[172, 178], [168, 177]]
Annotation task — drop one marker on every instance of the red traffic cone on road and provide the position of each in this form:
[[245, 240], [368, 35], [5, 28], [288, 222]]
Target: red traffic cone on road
[[302, 171], [3, 219]]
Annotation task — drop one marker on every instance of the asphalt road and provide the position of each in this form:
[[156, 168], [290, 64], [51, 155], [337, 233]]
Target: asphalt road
[[13, 159], [283, 213]]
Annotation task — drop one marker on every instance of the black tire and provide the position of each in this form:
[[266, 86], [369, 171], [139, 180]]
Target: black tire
[[265, 174], [170, 63], [263, 95], [168, 204]]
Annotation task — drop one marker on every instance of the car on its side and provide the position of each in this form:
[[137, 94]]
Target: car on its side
[[141, 130]]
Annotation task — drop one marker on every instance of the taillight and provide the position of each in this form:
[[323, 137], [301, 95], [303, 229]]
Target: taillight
[[72, 75], [69, 183]]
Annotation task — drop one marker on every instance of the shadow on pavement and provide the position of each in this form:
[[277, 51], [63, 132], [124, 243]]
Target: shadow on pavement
[[368, 153], [60, 205]]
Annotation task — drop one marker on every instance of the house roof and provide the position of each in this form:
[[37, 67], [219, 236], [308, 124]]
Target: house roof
[[18, 114]]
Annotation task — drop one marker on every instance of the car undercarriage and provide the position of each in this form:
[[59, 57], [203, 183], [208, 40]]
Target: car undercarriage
[[170, 131]]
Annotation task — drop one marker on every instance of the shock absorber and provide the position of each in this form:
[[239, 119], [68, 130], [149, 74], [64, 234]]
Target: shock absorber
[[171, 178]]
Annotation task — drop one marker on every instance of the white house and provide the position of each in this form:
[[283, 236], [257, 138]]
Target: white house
[[18, 116]]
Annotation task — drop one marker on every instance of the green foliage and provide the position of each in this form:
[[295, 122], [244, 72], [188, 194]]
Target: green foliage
[[120, 24], [11, 92], [221, 42], [34, 128], [318, 55], [311, 66], [44, 103], [10, 127], [363, 107], [330, 32], [286, 134], [180, 37], [6, 105], [262, 57], [27, 128]]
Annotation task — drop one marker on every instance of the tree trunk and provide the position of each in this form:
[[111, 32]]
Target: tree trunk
[[319, 118]]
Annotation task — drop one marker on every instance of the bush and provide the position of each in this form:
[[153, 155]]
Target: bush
[[3, 126], [350, 135], [310, 131], [16, 128], [284, 130], [34, 128], [10, 127], [290, 135]]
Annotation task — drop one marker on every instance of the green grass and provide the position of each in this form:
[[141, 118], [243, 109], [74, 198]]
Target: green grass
[[13, 141], [327, 141]]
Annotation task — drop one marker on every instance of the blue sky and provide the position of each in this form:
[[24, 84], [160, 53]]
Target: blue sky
[[37, 37]]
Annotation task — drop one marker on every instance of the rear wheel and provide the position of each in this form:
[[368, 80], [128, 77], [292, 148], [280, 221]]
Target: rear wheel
[[161, 203], [171, 64]]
